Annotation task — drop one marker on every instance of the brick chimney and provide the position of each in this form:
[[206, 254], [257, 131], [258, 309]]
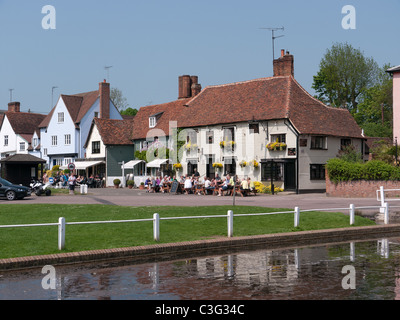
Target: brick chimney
[[104, 91], [284, 65], [14, 107], [188, 86]]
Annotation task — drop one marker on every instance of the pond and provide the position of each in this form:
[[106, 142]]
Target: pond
[[349, 271]]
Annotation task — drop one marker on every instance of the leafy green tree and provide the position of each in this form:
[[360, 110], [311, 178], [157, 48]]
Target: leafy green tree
[[129, 112], [343, 76]]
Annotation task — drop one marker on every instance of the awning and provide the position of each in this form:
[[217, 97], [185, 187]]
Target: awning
[[157, 163], [131, 164], [83, 165]]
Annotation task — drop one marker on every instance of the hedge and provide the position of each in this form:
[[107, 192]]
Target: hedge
[[340, 170]]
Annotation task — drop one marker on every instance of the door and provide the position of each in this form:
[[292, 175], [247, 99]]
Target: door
[[210, 170], [290, 175]]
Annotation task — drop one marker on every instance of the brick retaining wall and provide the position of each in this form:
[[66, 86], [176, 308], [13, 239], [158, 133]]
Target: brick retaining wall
[[358, 189]]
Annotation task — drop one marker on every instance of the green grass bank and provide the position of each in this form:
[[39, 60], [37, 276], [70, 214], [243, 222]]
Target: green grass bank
[[31, 241]]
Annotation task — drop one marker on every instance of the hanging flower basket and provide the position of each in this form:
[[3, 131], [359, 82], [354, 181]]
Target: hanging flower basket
[[217, 165], [254, 164], [227, 144], [243, 164], [177, 166], [276, 146], [189, 146]]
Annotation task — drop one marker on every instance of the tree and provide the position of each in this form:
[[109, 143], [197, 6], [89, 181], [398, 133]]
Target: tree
[[129, 112], [375, 110], [343, 76], [118, 99]]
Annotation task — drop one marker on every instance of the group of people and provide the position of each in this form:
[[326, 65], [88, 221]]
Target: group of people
[[193, 184]]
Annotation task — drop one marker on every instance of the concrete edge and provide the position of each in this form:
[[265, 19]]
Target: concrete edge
[[199, 247]]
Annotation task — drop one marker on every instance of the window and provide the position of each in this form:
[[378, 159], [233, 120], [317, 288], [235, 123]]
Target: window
[[230, 166], [191, 136], [95, 146], [61, 117], [318, 142], [254, 128], [229, 134], [22, 146], [45, 152], [269, 169], [53, 140], [344, 143], [152, 122], [67, 139], [278, 138], [96, 114], [5, 140], [317, 172], [35, 142], [67, 161], [209, 137]]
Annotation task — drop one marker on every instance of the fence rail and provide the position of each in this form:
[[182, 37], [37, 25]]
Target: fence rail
[[229, 216]]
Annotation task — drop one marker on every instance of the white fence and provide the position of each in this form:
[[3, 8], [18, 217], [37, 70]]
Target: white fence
[[229, 216]]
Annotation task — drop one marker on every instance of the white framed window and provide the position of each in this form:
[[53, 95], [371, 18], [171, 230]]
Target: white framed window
[[6, 140], [58, 162], [35, 142], [22, 146], [53, 140], [67, 161], [152, 122], [67, 139], [61, 117], [45, 152]]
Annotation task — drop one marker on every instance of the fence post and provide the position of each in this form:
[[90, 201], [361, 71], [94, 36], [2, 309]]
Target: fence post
[[386, 213], [352, 212], [296, 216], [382, 193], [156, 227], [61, 233], [230, 223]]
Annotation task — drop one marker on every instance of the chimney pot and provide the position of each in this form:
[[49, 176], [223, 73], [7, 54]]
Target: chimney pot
[[284, 65]]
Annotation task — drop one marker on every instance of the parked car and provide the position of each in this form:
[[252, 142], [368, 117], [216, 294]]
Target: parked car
[[12, 191]]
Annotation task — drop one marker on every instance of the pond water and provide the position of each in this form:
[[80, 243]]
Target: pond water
[[301, 273]]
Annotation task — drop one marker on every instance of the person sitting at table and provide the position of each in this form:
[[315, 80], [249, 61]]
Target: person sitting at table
[[244, 187], [217, 178], [252, 186], [146, 183], [207, 185], [224, 187], [188, 185]]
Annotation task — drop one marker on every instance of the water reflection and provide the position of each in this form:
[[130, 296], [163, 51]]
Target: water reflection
[[299, 273]]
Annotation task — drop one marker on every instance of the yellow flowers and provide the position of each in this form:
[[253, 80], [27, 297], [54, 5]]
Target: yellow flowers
[[276, 146], [262, 188], [217, 165], [243, 164], [190, 146], [227, 144], [177, 166]]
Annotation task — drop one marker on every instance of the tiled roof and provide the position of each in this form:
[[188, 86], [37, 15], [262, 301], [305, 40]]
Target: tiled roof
[[114, 132], [77, 105], [267, 99], [171, 111], [22, 158], [24, 122]]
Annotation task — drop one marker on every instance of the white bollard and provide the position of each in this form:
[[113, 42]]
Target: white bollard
[[230, 223], [156, 227], [352, 212], [382, 196], [386, 212], [296, 217], [61, 234]]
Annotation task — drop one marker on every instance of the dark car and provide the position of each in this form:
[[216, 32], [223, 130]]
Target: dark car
[[12, 191]]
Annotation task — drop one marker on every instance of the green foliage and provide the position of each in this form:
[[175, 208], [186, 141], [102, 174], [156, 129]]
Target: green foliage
[[129, 112], [350, 154], [141, 155], [340, 170], [344, 74]]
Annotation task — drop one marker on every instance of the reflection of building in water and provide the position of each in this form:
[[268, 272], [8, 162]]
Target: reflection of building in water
[[249, 269]]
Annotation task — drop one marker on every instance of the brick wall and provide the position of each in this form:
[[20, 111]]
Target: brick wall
[[358, 189]]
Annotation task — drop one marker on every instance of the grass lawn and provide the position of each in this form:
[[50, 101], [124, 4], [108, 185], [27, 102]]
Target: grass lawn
[[19, 242]]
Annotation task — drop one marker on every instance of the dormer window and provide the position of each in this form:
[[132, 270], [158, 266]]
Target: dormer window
[[152, 122], [61, 117]]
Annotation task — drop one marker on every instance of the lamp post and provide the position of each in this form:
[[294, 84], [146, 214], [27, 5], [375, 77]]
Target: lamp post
[[395, 141]]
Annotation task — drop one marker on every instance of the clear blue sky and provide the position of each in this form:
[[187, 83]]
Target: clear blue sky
[[150, 43]]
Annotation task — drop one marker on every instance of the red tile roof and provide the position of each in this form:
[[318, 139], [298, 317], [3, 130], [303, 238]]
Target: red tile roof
[[24, 122], [171, 111], [267, 99], [113, 132]]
